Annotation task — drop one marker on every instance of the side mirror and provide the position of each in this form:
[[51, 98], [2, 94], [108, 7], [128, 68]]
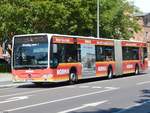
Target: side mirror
[[54, 63], [54, 48]]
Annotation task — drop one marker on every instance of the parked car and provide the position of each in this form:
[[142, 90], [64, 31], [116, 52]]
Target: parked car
[[4, 66]]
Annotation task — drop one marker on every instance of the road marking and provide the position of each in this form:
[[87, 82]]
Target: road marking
[[84, 106], [141, 83], [96, 87], [84, 86], [5, 89], [112, 88], [59, 100], [14, 99], [93, 87], [30, 92], [42, 90], [23, 93], [70, 86]]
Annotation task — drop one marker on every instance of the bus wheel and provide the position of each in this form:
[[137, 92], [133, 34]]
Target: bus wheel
[[72, 78], [110, 73], [137, 71]]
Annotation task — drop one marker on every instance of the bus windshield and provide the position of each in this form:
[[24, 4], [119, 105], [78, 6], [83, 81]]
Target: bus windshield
[[30, 52]]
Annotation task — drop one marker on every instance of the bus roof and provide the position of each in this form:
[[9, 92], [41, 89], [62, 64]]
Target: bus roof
[[74, 36]]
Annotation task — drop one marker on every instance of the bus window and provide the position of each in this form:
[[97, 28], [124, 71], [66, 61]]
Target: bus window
[[145, 52], [135, 53], [104, 53], [30, 52], [126, 53], [99, 53], [65, 53], [130, 53], [109, 53]]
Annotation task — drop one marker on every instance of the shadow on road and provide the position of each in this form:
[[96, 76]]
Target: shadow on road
[[61, 84], [145, 97], [141, 106], [112, 110]]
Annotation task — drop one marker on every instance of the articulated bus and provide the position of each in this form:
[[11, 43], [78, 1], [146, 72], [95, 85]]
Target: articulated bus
[[52, 58]]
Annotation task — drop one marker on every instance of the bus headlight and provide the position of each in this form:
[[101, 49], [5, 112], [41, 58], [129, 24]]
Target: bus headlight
[[47, 76]]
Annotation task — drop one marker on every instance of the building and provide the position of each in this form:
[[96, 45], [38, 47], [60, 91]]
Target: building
[[144, 34]]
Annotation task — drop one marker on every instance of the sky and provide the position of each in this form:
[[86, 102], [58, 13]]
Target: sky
[[143, 5]]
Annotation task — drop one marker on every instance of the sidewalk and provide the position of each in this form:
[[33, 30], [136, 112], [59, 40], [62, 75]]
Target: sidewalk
[[6, 81], [8, 84], [5, 77]]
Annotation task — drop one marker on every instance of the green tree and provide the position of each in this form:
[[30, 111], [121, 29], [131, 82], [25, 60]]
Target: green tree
[[117, 19], [75, 17]]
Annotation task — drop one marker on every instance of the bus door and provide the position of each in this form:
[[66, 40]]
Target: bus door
[[118, 58], [143, 57], [88, 60]]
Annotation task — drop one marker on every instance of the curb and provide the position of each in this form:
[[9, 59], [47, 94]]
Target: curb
[[13, 84]]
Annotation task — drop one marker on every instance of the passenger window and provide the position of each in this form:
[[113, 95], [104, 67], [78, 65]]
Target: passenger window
[[66, 53]]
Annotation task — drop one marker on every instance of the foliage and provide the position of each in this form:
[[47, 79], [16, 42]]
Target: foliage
[[75, 17]]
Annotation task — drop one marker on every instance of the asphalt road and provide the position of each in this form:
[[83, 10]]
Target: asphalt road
[[129, 94]]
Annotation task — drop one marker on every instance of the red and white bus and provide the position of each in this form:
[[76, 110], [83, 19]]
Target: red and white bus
[[51, 57]]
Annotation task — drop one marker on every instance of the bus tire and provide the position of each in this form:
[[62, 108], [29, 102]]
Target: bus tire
[[110, 73], [73, 78], [137, 71]]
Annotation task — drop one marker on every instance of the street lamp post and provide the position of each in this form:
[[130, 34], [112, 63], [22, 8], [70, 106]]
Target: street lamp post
[[97, 18]]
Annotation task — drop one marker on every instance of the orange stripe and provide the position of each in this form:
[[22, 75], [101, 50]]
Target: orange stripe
[[106, 62], [126, 61], [68, 64]]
